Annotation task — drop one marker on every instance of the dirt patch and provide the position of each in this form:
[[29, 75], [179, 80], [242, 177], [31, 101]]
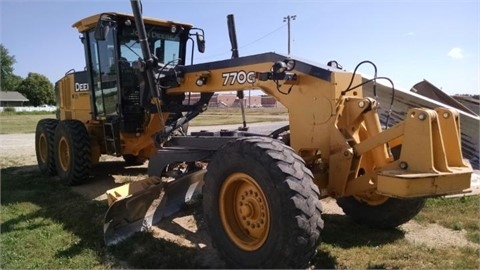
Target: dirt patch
[[434, 236], [17, 149]]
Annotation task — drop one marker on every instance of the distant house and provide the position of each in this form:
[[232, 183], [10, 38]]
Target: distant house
[[12, 99], [269, 102]]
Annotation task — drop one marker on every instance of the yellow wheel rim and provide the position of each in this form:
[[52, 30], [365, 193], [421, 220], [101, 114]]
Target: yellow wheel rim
[[373, 199], [64, 154], [244, 211], [43, 148]]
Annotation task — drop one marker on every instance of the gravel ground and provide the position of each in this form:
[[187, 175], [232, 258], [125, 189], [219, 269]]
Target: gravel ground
[[15, 148]]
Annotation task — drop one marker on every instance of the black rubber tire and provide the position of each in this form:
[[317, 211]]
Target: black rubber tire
[[132, 160], [390, 214], [73, 167], [45, 146], [293, 203]]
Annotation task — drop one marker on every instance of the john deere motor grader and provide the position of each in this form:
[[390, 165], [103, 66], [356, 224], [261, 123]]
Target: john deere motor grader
[[260, 193]]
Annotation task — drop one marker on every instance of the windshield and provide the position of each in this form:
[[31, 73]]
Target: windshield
[[164, 45]]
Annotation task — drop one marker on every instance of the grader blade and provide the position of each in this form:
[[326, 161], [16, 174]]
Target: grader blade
[[137, 206]]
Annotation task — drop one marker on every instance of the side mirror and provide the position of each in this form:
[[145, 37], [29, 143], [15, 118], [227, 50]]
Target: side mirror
[[200, 42], [102, 28]]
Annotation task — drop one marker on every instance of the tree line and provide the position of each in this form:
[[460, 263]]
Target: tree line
[[36, 87]]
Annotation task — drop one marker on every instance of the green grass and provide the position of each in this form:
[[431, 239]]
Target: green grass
[[21, 122], [45, 225]]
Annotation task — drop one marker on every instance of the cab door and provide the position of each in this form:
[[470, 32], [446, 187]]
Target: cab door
[[103, 74]]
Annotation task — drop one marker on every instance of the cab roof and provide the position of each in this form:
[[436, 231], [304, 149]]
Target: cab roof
[[91, 21]]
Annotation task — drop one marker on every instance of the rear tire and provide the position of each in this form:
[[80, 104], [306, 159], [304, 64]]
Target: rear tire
[[389, 214], [45, 146], [261, 205], [72, 152]]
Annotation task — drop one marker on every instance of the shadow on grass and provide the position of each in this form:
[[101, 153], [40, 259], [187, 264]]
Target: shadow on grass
[[142, 250], [84, 218], [341, 231], [55, 202]]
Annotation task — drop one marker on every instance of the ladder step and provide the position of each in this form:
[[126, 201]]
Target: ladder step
[[112, 138]]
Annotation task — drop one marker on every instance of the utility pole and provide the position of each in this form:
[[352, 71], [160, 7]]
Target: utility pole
[[288, 19]]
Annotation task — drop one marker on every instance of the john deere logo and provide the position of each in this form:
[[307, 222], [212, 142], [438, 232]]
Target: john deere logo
[[80, 87]]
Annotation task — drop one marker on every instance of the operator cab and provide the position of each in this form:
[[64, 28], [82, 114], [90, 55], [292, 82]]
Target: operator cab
[[114, 64]]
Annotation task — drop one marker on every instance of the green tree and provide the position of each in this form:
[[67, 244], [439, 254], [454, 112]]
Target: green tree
[[8, 81], [38, 89], [12, 82]]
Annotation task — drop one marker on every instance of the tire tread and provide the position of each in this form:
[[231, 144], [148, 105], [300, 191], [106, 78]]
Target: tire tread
[[295, 182], [78, 139], [48, 126]]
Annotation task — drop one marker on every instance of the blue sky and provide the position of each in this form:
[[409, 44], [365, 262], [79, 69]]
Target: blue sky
[[408, 40]]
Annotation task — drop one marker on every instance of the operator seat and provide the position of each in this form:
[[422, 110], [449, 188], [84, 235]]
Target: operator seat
[[132, 111], [127, 77]]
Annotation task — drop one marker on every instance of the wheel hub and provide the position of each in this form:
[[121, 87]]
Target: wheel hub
[[64, 154], [43, 148], [244, 211]]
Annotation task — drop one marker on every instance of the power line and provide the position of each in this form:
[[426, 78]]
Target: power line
[[264, 36], [248, 44]]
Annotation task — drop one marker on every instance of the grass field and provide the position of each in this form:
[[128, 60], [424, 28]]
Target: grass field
[[20, 123], [26, 123], [45, 225]]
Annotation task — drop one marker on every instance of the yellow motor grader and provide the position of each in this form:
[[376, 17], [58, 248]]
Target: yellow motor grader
[[260, 192]]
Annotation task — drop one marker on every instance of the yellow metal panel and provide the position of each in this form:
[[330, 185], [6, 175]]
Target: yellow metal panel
[[388, 135], [91, 21], [373, 128], [418, 185], [128, 189], [417, 148], [141, 144], [73, 104], [450, 127], [340, 169], [438, 147]]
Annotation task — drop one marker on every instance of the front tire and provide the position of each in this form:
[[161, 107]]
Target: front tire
[[261, 205], [45, 146], [387, 213], [72, 152]]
